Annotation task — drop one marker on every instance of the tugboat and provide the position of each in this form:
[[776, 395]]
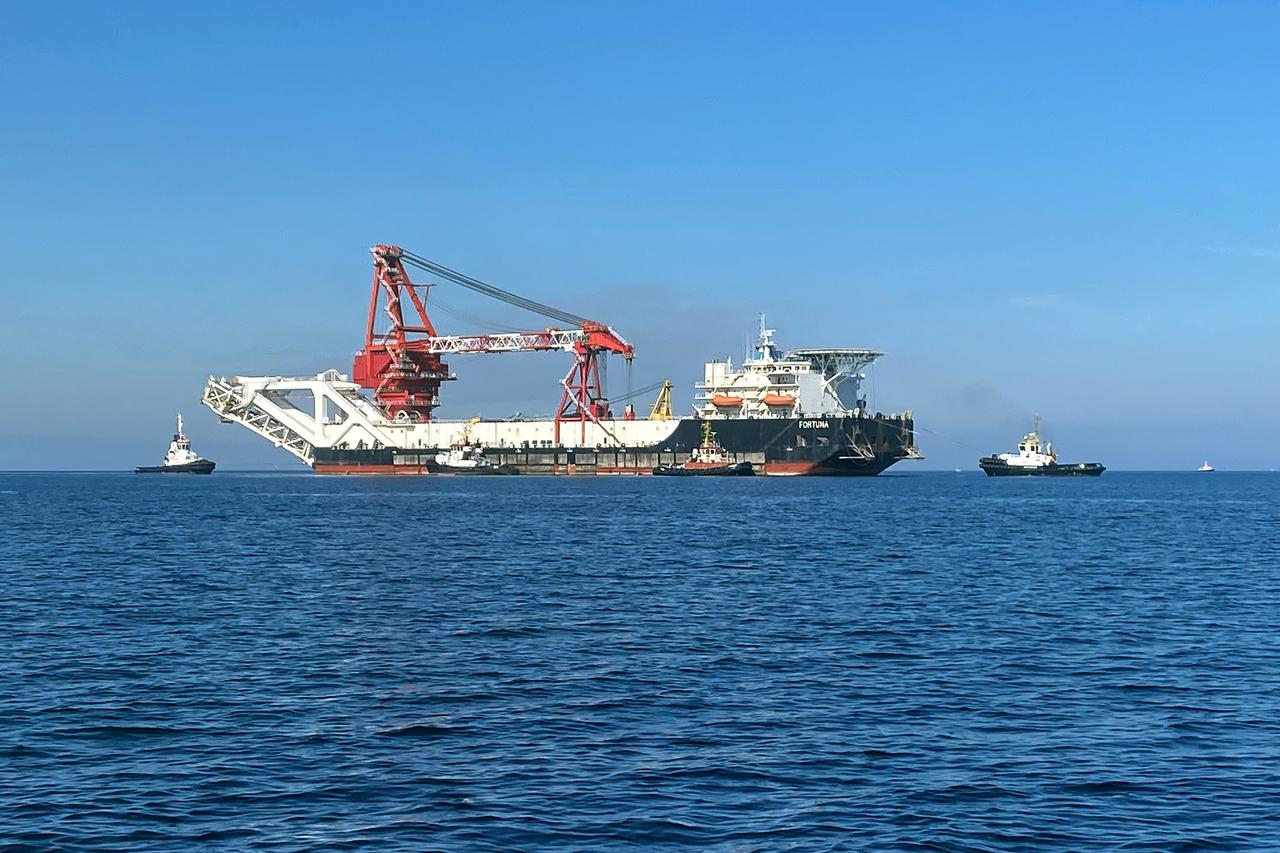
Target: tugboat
[[707, 460], [1206, 468], [1032, 461], [466, 457], [180, 459]]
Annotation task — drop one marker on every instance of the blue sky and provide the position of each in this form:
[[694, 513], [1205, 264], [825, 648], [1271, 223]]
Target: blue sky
[[1072, 210]]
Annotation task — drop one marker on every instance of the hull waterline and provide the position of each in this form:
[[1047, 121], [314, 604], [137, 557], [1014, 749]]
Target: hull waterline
[[201, 467]]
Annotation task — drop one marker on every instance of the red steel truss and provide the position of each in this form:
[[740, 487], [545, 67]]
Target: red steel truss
[[403, 372], [403, 364], [583, 397]]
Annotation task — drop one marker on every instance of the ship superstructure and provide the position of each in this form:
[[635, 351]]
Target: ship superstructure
[[771, 384], [799, 412]]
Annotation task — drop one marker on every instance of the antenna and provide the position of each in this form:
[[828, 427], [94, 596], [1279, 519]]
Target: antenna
[[764, 347]]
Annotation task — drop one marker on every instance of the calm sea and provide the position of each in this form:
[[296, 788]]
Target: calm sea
[[916, 661]]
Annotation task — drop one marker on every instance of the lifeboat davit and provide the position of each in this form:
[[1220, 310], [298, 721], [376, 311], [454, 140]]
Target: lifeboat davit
[[725, 401], [779, 400]]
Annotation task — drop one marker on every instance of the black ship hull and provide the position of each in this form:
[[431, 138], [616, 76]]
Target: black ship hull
[[832, 446], [996, 467], [204, 466]]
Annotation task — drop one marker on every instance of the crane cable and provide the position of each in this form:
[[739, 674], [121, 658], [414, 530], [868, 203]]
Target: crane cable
[[639, 392], [491, 291], [438, 304]]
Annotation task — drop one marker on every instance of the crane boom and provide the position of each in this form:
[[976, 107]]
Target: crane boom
[[549, 339], [595, 336]]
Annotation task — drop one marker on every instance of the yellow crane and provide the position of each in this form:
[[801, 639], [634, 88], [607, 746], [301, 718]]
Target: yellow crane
[[661, 410]]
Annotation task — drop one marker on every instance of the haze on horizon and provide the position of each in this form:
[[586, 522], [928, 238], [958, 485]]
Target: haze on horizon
[[1070, 211]]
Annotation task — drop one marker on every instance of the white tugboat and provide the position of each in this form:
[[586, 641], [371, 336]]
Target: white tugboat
[[1206, 468], [466, 457], [180, 459], [1034, 459]]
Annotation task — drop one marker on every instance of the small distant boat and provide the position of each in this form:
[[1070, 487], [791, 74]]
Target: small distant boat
[[1206, 468], [180, 459], [707, 460], [1035, 460]]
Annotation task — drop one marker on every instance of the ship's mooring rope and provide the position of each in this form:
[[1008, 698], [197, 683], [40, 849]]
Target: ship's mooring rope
[[916, 428]]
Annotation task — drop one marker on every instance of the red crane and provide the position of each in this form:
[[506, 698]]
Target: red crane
[[403, 366]]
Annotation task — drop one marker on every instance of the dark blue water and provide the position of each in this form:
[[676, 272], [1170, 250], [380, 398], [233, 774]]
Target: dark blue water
[[934, 661]]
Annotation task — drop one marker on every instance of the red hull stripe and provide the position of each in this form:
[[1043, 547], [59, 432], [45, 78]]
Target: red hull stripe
[[339, 468], [789, 467]]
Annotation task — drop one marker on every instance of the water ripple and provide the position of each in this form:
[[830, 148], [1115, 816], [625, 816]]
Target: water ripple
[[926, 662]]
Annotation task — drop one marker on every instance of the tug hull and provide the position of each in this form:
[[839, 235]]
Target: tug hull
[[204, 466], [996, 467]]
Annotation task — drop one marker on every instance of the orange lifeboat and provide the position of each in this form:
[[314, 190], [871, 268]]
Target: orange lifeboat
[[725, 401], [779, 400]]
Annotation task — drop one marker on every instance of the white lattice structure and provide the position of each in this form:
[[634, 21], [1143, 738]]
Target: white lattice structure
[[549, 339], [328, 410]]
